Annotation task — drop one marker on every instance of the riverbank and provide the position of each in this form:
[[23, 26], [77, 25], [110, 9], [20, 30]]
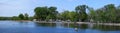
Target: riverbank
[[51, 22], [114, 24]]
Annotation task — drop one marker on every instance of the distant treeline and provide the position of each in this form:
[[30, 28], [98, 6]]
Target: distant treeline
[[5, 18], [14, 18], [19, 17]]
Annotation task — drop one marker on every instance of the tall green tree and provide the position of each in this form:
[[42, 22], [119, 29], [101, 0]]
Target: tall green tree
[[111, 11], [73, 16], [118, 14], [45, 13], [21, 16], [52, 13], [105, 14], [65, 15], [92, 14], [26, 16], [81, 10], [41, 13]]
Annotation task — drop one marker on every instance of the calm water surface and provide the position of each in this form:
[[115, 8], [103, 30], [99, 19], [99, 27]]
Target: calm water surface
[[33, 27]]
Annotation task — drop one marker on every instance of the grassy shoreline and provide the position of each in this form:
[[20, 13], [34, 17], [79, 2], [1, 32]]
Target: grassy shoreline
[[114, 24]]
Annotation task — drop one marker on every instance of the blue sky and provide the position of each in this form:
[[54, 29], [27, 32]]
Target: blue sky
[[15, 7]]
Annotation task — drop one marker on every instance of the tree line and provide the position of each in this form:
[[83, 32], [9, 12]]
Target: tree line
[[83, 13], [107, 13]]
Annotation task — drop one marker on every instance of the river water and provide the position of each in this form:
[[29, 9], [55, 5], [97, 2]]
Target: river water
[[34, 27]]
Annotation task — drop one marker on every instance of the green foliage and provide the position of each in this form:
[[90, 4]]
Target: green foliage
[[45, 13], [108, 13], [41, 12], [73, 16], [81, 10], [92, 13], [5, 18], [52, 13], [15, 18], [67, 15], [26, 16], [21, 16]]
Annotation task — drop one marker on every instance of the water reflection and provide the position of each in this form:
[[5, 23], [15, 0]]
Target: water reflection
[[45, 24], [34, 27], [81, 26], [106, 27]]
